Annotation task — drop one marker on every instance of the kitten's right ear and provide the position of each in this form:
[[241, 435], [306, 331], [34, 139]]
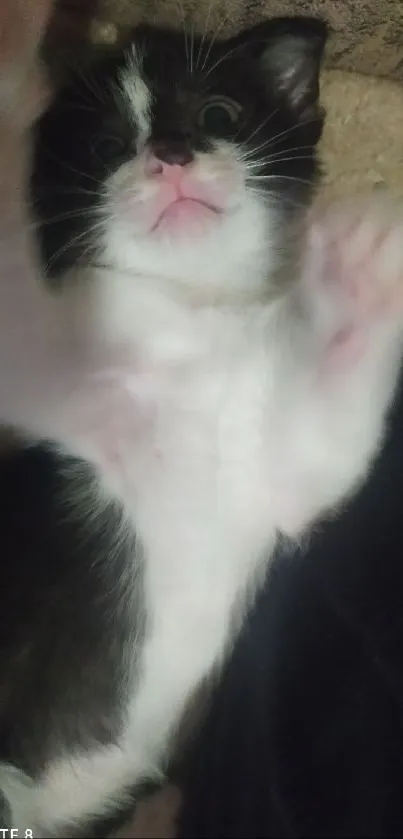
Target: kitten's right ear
[[289, 52]]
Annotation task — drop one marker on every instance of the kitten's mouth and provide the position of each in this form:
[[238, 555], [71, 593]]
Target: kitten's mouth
[[185, 214]]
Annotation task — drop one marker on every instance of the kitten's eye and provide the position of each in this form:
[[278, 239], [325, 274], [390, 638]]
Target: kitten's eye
[[219, 116], [110, 148]]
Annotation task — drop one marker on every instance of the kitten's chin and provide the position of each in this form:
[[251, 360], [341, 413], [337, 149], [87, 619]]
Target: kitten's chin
[[186, 216]]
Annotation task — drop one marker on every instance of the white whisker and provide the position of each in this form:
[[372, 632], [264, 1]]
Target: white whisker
[[290, 129], [261, 125], [74, 240], [192, 46], [267, 198], [73, 169], [275, 177], [204, 35], [73, 214], [250, 153], [221, 60], [211, 44], [78, 191], [261, 165], [91, 83], [179, 6]]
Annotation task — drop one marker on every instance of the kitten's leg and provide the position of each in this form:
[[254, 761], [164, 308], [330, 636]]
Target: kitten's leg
[[354, 276], [346, 339], [354, 283]]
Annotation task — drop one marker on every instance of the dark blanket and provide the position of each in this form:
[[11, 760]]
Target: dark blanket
[[305, 734]]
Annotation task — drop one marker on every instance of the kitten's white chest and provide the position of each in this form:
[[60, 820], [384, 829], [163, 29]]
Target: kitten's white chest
[[200, 516], [186, 454], [197, 443], [183, 418]]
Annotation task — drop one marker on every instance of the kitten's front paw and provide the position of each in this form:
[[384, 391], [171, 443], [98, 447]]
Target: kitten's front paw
[[357, 254]]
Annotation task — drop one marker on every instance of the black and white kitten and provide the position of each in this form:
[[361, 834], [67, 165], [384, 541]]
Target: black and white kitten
[[225, 380]]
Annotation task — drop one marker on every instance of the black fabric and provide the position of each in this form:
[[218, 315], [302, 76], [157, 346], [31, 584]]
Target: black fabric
[[305, 733]]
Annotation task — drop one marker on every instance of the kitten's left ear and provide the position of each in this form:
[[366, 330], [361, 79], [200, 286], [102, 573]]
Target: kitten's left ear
[[289, 51]]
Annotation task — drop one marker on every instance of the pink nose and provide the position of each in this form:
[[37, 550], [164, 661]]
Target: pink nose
[[171, 173]]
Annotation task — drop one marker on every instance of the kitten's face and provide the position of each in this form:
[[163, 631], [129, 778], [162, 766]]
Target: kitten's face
[[182, 158]]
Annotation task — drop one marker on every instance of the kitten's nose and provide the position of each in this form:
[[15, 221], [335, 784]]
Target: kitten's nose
[[175, 151], [167, 172]]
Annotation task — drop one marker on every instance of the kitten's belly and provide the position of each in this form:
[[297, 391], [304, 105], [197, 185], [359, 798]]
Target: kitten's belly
[[194, 484]]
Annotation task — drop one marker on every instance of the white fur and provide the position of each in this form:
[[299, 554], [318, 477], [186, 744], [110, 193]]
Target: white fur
[[212, 410], [137, 93]]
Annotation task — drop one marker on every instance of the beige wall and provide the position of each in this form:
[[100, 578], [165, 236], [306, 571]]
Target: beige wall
[[368, 34]]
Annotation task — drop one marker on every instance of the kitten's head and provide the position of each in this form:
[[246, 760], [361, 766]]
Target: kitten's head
[[183, 158]]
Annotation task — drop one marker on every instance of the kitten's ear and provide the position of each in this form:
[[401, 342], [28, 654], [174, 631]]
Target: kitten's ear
[[289, 51]]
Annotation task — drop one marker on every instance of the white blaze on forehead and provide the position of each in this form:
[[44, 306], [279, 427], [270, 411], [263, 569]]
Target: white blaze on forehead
[[137, 92]]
